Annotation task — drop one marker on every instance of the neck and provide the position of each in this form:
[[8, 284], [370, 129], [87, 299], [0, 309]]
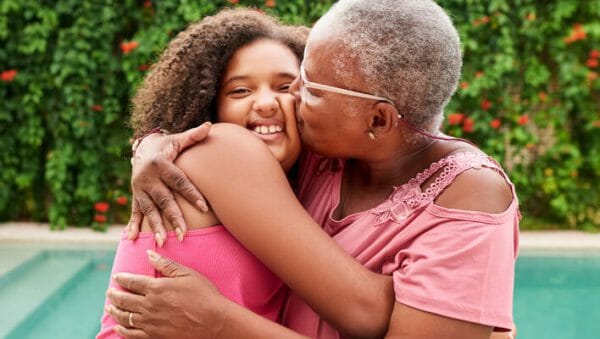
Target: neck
[[387, 166]]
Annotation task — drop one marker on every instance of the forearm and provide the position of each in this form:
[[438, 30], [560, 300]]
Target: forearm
[[242, 323]]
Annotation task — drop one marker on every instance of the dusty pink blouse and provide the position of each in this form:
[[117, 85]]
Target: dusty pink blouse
[[454, 263]]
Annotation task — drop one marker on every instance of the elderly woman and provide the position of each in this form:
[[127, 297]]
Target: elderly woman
[[433, 213]]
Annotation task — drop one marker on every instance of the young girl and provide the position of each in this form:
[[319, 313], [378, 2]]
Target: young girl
[[237, 68]]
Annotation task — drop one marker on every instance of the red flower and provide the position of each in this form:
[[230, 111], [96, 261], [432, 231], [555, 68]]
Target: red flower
[[455, 118], [143, 67], [270, 3], [101, 207], [578, 33], [523, 120], [592, 63], [100, 218], [97, 108], [234, 1], [543, 96], [464, 85], [480, 21], [495, 124], [594, 54], [122, 200], [530, 16], [127, 47], [486, 104], [468, 125], [478, 74], [8, 75], [147, 3]]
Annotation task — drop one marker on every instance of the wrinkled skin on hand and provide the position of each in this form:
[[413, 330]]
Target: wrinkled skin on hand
[[184, 304], [155, 177]]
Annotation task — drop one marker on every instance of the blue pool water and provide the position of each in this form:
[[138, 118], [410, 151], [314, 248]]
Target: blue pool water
[[558, 297], [59, 293]]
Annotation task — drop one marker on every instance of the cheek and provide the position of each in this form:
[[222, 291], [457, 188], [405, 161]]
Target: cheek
[[233, 111]]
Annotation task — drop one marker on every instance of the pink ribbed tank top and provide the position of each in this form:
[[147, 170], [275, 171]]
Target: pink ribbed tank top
[[215, 253]]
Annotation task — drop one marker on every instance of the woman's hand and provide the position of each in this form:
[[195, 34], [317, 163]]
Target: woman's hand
[[184, 304], [155, 177]]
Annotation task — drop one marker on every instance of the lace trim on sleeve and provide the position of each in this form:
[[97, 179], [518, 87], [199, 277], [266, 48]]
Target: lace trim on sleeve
[[408, 198]]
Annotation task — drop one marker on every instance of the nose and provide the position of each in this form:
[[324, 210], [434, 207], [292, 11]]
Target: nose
[[266, 103]]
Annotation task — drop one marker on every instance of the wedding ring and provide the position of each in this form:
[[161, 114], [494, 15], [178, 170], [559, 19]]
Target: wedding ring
[[130, 319]]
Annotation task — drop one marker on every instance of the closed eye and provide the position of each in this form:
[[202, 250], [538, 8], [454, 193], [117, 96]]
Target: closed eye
[[285, 87], [239, 91]]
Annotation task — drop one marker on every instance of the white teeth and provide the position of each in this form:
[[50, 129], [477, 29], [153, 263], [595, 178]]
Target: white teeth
[[272, 129]]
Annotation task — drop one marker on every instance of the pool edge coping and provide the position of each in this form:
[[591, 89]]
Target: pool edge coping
[[41, 232]]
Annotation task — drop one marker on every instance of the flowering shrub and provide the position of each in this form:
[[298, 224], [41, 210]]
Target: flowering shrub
[[529, 96], [530, 84]]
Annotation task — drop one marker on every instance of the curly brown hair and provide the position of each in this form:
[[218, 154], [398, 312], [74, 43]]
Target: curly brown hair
[[180, 90]]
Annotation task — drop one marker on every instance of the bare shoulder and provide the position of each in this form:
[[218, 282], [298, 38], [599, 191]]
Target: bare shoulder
[[228, 137], [226, 145], [482, 190]]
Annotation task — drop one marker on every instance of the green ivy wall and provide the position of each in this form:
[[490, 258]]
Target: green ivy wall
[[530, 96]]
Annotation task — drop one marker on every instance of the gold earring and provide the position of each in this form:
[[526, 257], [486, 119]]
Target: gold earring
[[371, 135]]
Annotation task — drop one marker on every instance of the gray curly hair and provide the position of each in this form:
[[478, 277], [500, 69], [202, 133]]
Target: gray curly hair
[[406, 50]]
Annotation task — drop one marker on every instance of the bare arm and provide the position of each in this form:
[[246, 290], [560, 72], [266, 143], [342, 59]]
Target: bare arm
[[270, 222], [268, 219], [411, 323]]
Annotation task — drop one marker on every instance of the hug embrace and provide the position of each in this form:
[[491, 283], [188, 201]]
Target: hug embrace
[[331, 203]]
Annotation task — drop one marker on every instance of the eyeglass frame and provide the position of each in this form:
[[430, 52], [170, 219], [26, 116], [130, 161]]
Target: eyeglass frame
[[343, 91]]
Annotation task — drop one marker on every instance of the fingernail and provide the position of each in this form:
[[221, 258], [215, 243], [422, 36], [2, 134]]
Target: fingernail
[[153, 255], [179, 233], [114, 276], [202, 205], [208, 123], [158, 239], [129, 232], [107, 309]]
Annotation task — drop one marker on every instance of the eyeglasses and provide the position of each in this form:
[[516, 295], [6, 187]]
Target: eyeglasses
[[333, 89]]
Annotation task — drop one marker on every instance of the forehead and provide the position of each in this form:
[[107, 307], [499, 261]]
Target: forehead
[[327, 60], [263, 55], [319, 55]]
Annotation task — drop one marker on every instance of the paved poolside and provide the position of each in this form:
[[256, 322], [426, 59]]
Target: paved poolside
[[36, 232]]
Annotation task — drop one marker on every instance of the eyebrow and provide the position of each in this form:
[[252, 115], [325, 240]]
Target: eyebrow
[[243, 77]]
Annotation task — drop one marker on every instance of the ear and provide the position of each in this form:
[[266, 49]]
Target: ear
[[383, 118]]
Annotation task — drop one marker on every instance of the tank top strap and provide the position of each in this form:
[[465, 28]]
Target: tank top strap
[[448, 168]]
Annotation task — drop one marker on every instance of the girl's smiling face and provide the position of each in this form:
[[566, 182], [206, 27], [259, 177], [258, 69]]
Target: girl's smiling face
[[254, 93]]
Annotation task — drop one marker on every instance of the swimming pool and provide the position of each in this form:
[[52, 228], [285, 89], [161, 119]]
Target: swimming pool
[[58, 292], [52, 291], [558, 296]]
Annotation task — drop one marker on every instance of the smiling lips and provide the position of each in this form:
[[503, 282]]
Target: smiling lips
[[267, 130]]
